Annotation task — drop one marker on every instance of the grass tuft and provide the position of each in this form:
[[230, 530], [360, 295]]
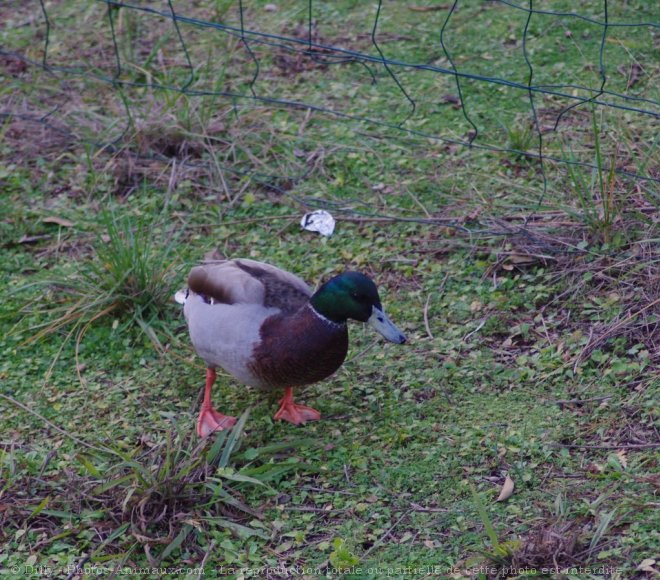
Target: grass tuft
[[131, 272], [162, 497], [597, 192], [130, 277], [520, 136]]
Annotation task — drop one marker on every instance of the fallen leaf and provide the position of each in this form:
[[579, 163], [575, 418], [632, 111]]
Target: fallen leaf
[[60, 221], [623, 460], [284, 547], [634, 74], [33, 239], [382, 187], [646, 565], [507, 489], [215, 127], [521, 258]]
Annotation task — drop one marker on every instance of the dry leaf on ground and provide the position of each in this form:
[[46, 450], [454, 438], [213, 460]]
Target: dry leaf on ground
[[507, 489]]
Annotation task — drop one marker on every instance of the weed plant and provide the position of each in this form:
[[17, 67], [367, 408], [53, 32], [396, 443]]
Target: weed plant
[[130, 276]]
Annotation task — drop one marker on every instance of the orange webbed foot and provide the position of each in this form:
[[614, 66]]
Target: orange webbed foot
[[210, 420], [294, 413]]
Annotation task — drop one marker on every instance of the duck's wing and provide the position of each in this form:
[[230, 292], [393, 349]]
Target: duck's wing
[[246, 281]]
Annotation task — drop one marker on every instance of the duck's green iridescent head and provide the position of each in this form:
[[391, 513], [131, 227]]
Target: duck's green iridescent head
[[353, 295]]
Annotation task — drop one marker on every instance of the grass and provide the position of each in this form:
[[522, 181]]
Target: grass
[[598, 193], [128, 275], [532, 356]]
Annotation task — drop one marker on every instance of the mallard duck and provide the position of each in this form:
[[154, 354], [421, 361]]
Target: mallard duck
[[265, 327]]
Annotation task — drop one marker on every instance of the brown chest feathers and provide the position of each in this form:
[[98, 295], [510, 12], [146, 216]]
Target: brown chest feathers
[[299, 350]]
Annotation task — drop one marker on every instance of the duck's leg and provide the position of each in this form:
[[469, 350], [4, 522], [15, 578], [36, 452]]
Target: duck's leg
[[294, 413], [209, 419]]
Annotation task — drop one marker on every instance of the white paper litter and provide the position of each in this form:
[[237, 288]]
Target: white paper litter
[[181, 296], [318, 221]]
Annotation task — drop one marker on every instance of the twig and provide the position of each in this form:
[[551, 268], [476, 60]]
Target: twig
[[59, 429], [479, 327], [448, 222], [346, 475], [441, 291], [420, 508], [253, 220], [526, 253], [207, 554], [561, 402], [545, 329], [52, 453], [339, 491], [545, 478], [441, 288], [78, 567], [578, 358], [611, 331], [314, 509], [379, 542], [607, 446], [426, 317], [362, 352]]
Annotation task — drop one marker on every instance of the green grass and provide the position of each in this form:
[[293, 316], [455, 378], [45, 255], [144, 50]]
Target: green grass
[[129, 276], [533, 357]]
